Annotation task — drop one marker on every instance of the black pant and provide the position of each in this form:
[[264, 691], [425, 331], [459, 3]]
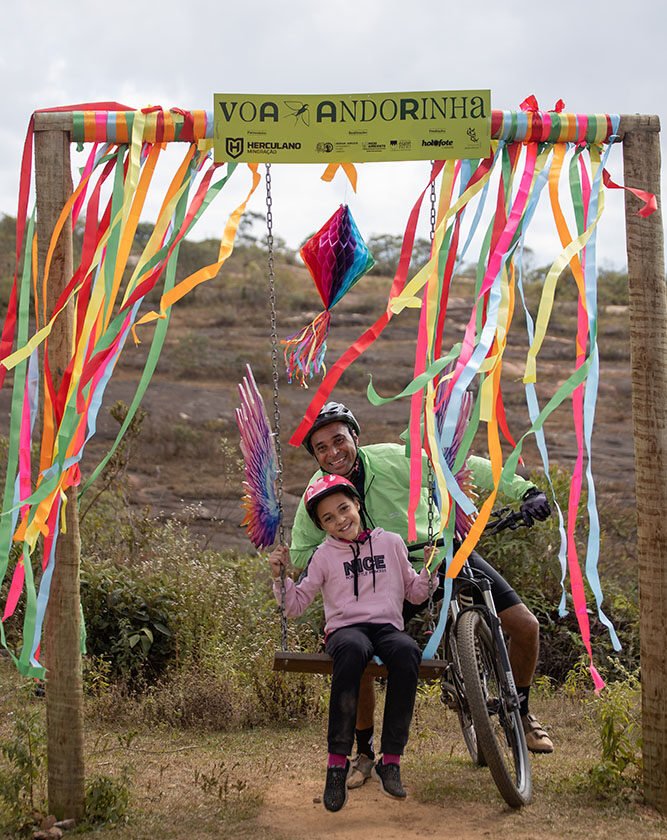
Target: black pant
[[351, 649]]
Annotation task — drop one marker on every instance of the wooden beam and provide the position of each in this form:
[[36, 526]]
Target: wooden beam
[[64, 689], [63, 121], [321, 663], [648, 346]]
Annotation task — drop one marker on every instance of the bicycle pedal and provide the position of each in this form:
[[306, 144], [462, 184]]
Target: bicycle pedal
[[448, 696]]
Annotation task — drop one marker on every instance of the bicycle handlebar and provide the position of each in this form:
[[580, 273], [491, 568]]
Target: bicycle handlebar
[[500, 520]]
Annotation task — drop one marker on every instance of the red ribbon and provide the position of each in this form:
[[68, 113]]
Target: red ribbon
[[650, 201], [530, 104]]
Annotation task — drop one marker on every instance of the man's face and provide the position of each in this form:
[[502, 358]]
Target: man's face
[[335, 448]]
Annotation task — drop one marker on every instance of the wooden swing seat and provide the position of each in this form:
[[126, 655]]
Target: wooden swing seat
[[321, 663]]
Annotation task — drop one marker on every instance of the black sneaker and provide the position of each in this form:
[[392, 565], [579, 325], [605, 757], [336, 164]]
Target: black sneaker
[[335, 788], [389, 776]]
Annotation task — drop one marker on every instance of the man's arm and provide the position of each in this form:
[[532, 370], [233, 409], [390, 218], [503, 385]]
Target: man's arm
[[514, 489], [535, 504]]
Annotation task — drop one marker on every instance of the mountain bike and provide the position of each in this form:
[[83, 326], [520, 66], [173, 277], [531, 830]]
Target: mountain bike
[[478, 682]]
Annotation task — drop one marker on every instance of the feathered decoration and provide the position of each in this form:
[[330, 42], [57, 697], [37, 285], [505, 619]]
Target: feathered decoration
[[337, 257], [260, 499], [464, 475]]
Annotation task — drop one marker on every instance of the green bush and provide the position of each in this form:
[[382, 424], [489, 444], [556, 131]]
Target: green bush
[[127, 612], [23, 770], [183, 636], [107, 800], [617, 713]]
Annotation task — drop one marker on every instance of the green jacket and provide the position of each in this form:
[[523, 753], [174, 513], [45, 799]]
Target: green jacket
[[387, 487]]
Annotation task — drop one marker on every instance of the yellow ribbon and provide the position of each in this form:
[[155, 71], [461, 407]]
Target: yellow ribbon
[[209, 271], [400, 302]]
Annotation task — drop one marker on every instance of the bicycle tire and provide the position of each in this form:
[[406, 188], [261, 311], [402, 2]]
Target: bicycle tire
[[456, 691], [498, 727]]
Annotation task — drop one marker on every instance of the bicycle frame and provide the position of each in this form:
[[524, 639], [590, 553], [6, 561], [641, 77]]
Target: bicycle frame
[[463, 601]]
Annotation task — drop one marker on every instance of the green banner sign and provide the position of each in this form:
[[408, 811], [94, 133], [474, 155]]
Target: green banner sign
[[432, 125]]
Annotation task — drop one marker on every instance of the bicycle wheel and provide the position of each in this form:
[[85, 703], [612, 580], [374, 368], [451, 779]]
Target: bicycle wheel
[[454, 697], [498, 726]]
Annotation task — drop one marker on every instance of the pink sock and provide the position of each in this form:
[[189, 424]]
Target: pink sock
[[336, 760], [390, 758]]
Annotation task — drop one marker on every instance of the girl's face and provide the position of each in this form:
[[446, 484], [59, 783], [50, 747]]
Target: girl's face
[[339, 515]]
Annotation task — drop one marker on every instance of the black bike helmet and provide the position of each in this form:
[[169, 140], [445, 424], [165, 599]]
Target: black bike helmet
[[331, 413]]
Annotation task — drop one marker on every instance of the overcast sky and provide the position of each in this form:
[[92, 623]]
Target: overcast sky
[[596, 57]]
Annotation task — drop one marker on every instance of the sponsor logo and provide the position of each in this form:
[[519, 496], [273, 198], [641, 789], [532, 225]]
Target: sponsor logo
[[271, 146], [234, 146], [324, 147], [437, 142]]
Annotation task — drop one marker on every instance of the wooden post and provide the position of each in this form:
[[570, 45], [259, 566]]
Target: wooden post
[[648, 346], [64, 689]]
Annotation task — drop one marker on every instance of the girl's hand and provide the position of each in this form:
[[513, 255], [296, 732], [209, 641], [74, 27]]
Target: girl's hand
[[278, 560]]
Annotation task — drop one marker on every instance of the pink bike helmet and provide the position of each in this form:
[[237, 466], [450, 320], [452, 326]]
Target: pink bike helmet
[[325, 486]]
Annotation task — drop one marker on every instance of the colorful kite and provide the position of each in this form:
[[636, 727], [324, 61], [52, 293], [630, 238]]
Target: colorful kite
[[260, 501], [337, 257]]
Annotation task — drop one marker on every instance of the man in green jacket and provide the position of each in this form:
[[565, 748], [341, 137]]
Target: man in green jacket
[[381, 474]]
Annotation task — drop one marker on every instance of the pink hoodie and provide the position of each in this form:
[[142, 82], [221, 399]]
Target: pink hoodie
[[384, 579]]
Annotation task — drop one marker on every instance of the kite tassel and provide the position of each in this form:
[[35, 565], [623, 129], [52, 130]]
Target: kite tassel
[[305, 350]]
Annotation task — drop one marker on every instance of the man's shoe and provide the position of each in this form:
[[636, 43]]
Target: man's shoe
[[537, 739], [360, 770], [389, 776], [335, 788]]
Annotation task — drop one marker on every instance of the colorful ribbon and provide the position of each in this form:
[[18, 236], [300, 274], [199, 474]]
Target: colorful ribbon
[[528, 155], [107, 308]]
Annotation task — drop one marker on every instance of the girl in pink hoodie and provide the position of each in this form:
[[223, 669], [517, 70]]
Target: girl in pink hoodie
[[364, 577]]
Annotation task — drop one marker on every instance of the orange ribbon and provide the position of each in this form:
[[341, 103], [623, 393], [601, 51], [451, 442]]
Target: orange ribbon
[[348, 168]]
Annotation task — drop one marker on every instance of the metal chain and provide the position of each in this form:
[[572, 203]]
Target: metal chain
[[433, 206], [276, 405], [431, 474]]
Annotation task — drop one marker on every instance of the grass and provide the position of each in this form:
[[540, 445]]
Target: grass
[[264, 782]]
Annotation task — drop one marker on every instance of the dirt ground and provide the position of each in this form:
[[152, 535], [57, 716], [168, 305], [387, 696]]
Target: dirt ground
[[447, 796], [296, 811]]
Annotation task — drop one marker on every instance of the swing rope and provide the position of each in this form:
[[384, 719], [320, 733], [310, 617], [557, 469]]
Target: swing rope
[[276, 392]]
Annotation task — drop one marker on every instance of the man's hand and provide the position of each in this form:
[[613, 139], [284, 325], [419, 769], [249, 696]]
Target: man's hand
[[535, 505], [278, 560]]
